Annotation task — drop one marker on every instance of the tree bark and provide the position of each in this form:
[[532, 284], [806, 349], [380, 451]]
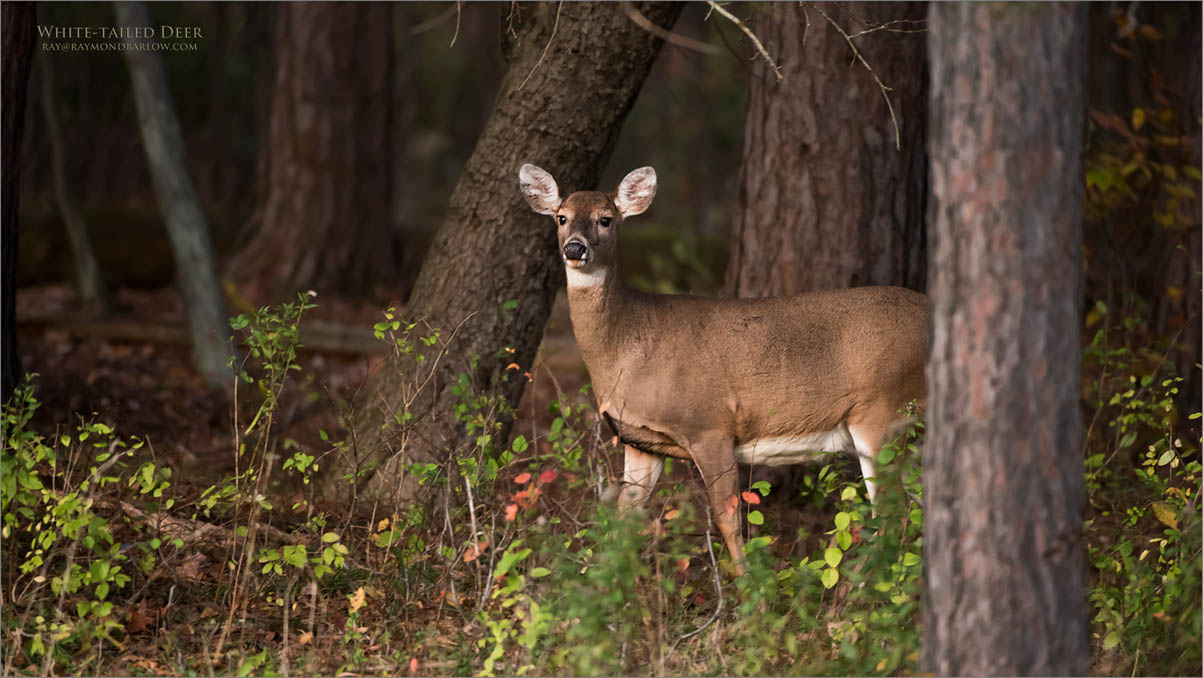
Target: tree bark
[[186, 225], [828, 198], [17, 37], [574, 70], [1005, 578], [324, 222]]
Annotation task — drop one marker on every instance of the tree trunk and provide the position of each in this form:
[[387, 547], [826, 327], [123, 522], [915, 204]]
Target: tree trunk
[[574, 71], [90, 282], [324, 222], [17, 38], [828, 199], [1005, 578], [186, 225]]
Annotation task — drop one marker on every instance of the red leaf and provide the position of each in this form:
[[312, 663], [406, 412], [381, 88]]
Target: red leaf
[[751, 497], [512, 366], [683, 564], [511, 512], [671, 513], [475, 550], [547, 476], [413, 666], [522, 478]]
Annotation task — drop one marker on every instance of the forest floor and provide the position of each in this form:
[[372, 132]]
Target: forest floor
[[132, 371]]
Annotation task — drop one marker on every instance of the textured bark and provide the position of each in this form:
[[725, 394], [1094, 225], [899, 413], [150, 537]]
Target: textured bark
[[828, 200], [574, 70], [1005, 575], [186, 225], [17, 40], [324, 222]]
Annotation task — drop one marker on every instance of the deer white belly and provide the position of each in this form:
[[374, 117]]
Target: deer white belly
[[784, 451]]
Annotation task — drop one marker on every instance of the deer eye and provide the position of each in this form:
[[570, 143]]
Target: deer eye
[[562, 219], [604, 221]]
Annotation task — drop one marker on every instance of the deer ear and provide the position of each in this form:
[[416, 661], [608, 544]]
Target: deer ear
[[539, 189], [634, 194]]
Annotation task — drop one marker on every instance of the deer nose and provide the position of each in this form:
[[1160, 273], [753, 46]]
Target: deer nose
[[575, 250]]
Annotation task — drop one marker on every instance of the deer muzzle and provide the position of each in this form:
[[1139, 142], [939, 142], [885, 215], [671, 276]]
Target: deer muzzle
[[576, 251]]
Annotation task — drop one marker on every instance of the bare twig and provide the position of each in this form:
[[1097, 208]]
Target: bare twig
[[677, 39], [748, 32], [885, 26], [428, 24], [554, 27], [885, 91], [457, 17], [718, 584]]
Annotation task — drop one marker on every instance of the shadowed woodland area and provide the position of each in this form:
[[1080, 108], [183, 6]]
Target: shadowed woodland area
[[291, 384]]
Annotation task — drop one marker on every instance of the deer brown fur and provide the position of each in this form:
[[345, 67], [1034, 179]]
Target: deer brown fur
[[722, 381]]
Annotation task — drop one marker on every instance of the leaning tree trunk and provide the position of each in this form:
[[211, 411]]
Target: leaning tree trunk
[[186, 226], [828, 198], [324, 222], [92, 291], [574, 70], [17, 38], [1005, 578]]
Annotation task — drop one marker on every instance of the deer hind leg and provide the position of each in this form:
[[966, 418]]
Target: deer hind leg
[[715, 459], [640, 471], [869, 434], [867, 441]]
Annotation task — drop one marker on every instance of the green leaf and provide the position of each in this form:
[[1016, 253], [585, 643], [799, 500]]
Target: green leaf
[[885, 456], [842, 520], [829, 578], [843, 538], [848, 494], [1166, 457], [832, 556], [520, 444], [330, 537], [539, 572], [762, 486], [1111, 640], [910, 559], [756, 518]]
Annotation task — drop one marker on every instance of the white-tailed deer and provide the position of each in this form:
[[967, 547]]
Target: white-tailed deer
[[759, 381]]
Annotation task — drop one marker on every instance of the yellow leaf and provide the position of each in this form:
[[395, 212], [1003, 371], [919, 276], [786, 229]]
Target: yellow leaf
[[1138, 119], [1165, 513], [881, 665], [382, 525], [358, 599], [1174, 293]]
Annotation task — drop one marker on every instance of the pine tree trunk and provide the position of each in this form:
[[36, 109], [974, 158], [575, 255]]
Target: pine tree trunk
[[17, 40], [574, 70], [324, 222], [828, 199], [1005, 573]]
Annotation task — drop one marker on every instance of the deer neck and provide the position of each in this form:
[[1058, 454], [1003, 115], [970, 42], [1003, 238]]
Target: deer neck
[[597, 302]]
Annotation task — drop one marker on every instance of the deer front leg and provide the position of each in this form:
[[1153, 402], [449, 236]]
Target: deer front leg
[[715, 459], [640, 471]]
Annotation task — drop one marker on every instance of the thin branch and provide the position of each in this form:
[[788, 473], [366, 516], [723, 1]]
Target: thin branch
[[677, 39], [886, 27], [885, 91], [428, 24], [554, 28], [718, 584], [748, 32], [457, 16]]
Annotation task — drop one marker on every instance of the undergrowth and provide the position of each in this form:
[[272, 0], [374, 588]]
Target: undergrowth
[[506, 563]]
